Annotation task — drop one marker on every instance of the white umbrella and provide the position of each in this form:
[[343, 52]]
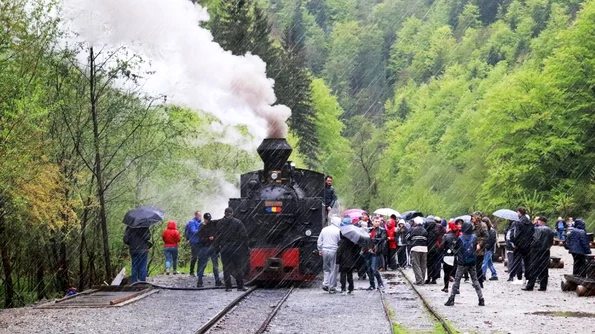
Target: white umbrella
[[387, 212], [507, 214]]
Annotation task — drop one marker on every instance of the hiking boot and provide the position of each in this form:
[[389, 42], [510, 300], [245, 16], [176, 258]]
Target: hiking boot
[[481, 284], [243, 289], [444, 290], [218, 283], [510, 279], [325, 288], [427, 281], [192, 275], [527, 289], [450, 302], [167, 272], [332, 291], [370, 288], [227, 289], [199, 285], [433, 282], [482, 302], [350, 292], [495, 278], [540, 289], [176, 272]]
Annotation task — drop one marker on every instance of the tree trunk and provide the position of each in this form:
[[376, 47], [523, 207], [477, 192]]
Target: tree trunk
[[39, 278], [98, 169], [6, 262]]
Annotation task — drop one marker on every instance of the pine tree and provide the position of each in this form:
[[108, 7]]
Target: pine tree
[[231, 28], [293, 88]]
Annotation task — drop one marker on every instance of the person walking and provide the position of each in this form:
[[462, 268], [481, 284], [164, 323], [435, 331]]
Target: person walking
[[372, 255], [466, 248], [522, 238], [207, 251], [417, 239], [448, 249], [490, 248], [328, 243], [171, 238], [577, 244], [347, 255], [139, 243], [191, 234], [543, 239], [401, 242], [391, 228], [231, 240]]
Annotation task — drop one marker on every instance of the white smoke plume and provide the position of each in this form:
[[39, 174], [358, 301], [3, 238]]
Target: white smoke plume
[[190, 68]]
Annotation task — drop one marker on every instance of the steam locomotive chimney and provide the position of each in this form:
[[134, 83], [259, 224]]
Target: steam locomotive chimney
[[274, 152]]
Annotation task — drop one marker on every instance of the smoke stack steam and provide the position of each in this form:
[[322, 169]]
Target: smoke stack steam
[[190, 68]]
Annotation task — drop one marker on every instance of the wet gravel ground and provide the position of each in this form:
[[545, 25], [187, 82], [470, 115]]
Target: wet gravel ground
[[249, 315], [407, 308], [509, 309], [312, 310]]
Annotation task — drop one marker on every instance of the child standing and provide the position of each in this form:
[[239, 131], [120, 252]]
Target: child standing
[[466, 247], [171, 238]]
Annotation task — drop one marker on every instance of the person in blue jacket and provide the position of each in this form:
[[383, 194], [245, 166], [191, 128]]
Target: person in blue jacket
[[577, 244], [191, 234]]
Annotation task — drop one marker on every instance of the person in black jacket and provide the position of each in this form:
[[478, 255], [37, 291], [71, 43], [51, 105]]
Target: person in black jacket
[[577, 244], [347, 257], [522, 238], [418, 241], [447, 247], [466, 247], [329, 195], [139, 243], [373, 255], [231, 240], [206, 250], [543, 238], [490, 249], [433, 256]]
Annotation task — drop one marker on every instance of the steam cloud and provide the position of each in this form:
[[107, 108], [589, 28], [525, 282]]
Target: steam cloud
[[190, 68]]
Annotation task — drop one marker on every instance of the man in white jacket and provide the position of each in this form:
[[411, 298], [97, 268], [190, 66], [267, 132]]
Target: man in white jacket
[[328, 243]]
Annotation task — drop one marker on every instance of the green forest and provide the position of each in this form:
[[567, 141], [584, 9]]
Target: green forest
[[442, 106]]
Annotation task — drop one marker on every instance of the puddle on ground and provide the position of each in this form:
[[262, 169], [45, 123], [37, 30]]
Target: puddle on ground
[[565, 314]]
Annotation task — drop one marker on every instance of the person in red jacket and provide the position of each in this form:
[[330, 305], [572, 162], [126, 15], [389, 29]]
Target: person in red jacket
[[171, 238], [392, 243]]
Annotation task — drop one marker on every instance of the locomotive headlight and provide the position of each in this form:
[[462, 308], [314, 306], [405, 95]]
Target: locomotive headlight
[[308, 233], [274, 176]]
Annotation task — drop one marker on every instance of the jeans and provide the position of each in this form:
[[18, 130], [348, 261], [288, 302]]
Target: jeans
[[204, 254], [561, 235], [139, 266], [194, 259], [171, 256], [461, 271], [372, 261], [488, 263]]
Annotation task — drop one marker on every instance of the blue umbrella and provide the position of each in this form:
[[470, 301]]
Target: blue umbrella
[[143, 216], [506, 214]]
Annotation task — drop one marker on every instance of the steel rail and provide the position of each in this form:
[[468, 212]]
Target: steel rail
[[214, 320], [272, 315]]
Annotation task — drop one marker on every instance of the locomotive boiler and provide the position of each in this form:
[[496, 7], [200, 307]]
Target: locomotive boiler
[[282, 209]]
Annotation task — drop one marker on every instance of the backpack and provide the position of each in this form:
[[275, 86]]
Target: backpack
[[468, 253]]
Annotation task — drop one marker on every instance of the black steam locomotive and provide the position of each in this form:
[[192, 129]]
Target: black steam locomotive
[[282, 209]]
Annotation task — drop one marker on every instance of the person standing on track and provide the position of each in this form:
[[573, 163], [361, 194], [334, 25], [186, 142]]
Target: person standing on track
[[171, 238], [328, 243], [447, 247], [374, 254], [466, 248], [206, 250], [231, 240], [191, 234], [418, 240], [391, 228]]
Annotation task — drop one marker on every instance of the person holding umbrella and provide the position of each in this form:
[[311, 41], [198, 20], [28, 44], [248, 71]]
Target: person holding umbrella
[[138, 238], [348, 254]]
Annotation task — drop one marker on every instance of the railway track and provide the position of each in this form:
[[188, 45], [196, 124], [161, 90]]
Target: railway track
[[408, 296], [252, 311]]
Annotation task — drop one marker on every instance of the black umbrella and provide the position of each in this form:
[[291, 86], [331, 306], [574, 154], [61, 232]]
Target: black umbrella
[[408, 215], [143, 216], [356, 235]]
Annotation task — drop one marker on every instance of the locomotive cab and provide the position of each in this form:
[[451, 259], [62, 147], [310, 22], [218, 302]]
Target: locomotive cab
[[282, 209]]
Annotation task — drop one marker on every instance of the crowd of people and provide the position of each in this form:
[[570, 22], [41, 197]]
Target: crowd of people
[[457, 249], [209, 240]]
